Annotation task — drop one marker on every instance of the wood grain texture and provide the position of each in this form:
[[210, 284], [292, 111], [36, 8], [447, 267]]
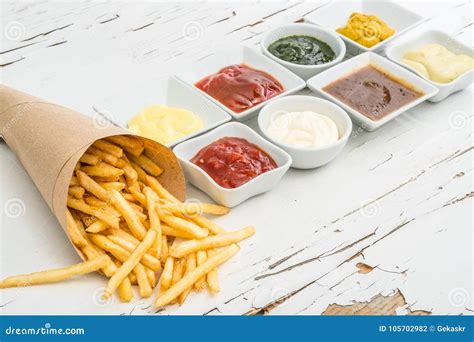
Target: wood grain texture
[[398, 200]]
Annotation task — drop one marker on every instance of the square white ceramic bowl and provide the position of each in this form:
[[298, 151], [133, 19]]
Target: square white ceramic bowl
[[318, 82], [122, 108], [231, 197], [250, 57], [397, 51], [336, 14]]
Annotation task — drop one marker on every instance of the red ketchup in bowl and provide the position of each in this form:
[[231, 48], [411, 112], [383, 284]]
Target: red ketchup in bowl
[[240, 87], [232, 162]]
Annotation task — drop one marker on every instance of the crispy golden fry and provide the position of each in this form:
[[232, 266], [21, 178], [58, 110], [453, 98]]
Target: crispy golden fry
[[103, 170], [97, 227], [92, 186], [164, 248], [183, 225], [112, 185], [128, 143], [76, 191], [89, 159], [144, 287], [160, 190], [170, 231], [130, 263], [213, 277], [195, 209], [101, 214], [55, 275], [109, 148], [125, 291], [107, 179], [167, 274], [146, 164], [73, 231], [140, 172], [213, 227], [130, 216], [129, 197], [178, 269], [189, 265], [151, 277], [200, 284], [209, 242], [189, 279], [133, 278], [129, 246], [105, 156], [139, 197], [151, 199]]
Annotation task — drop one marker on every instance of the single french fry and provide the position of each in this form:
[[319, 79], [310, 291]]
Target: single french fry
[[97, 227], [170, 231], [200, 284], [55, 275], [108, 147], [129, 144], [213, 277], [92, 186], [146, 164], [125, 291], [189, 265], [167, 274], [178, 269], [140, 172], [164, 248], [89, 159], [139, 197], [130, 216], [209, 242], [106, 179], [189, 279], [144, 287], [112, 185], [133, 278], [182, 224], [151, 277], [160, 189], [103, 170], [129, 197], [97, 203], [147, 260], [195, 209], [130, 263], [73, 231], [204, 222], [151, 199], [76, 191], [101, 214]]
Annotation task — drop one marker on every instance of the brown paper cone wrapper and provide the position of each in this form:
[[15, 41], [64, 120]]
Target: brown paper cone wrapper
[[49, 140]]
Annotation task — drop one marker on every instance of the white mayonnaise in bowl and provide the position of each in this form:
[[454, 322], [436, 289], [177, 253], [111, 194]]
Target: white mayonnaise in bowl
[[312, 130]]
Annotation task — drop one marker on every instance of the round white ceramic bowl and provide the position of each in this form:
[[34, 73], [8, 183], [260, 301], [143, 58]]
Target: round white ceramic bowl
[[304, 71], [308, 158]]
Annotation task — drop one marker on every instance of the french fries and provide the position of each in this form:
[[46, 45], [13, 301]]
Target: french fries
[[56, 275], [133, 230]]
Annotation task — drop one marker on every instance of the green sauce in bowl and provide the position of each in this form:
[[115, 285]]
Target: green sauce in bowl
[[303, 50]]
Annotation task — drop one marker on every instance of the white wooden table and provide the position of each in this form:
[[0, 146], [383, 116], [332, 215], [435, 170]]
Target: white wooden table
[[398, 200]]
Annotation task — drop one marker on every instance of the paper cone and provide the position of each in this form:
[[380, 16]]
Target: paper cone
[[49, 140]]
